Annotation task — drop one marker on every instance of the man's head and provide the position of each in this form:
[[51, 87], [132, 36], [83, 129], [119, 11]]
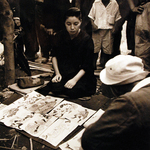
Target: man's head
[[123, 69]]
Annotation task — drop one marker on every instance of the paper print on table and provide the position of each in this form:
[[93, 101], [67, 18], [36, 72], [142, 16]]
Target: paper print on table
[[94, 118], [72, 111], [8, 111], [58, 131], [46, 117], [80, 115], [16, 117], [45, 105], [2, 106], [64, 108], [38, 124], [28, 100], [74, 143]]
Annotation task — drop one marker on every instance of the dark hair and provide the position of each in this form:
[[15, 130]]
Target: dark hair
[[73, 11]]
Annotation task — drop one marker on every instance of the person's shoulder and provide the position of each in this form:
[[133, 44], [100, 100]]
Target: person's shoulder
[[60, 34], [57, 38], [141, 94], [114, 2], [86, 39], [84, 35], [97, 1], [139, 98]]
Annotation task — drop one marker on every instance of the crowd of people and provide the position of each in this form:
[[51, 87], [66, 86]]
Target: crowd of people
[[74, 32], [41, 20], [101, 19]]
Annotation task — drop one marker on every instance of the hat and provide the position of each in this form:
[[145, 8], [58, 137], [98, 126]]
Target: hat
[[123, 69]]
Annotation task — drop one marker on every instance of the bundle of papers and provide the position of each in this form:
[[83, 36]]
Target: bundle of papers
[[45, 117]]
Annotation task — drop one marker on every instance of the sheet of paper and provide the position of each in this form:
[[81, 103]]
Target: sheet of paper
[[38, 124], [94, 118], [18, 118], [45, 105], [46, 117], [74, 143], [58, 131], [2, 106], [29, 99], [72, 112]]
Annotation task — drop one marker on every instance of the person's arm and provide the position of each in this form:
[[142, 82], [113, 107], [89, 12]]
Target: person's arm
[[57, 77], [72, 82], [131, 4], [94, 26], [91, 16], [109, 132], [136, 9]]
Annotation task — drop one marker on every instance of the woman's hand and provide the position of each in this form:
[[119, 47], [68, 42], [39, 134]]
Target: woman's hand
[[70, 84], [57, 78]]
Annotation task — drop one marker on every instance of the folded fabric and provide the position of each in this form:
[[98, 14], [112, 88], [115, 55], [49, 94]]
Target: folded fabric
[[27, 82]]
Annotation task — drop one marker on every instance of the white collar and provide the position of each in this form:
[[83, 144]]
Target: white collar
[[141, 84]]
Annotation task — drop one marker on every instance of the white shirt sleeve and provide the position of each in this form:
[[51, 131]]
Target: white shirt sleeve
[[92, 12]]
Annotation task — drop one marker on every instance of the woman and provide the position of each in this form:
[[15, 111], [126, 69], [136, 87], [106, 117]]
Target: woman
[[72, 58]]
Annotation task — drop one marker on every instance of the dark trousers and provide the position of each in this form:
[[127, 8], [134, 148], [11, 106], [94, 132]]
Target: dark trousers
[[30, 40], [45, 40], [79, 90]]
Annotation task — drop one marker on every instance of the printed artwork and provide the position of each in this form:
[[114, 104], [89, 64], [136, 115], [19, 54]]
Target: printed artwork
[[58, 131], [38, 124], [94, 118], [74, 143], [29, 99], [16, 117], [2, 106], [25, 110], [46, 117], [45, 105], [73, 112]]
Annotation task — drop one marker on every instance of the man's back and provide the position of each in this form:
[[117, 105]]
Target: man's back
[[125, 125]]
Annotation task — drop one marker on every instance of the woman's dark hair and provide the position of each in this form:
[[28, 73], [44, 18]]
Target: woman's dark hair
[[73, 11]]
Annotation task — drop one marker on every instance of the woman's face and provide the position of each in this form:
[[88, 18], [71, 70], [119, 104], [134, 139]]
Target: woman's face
[[73, 26]]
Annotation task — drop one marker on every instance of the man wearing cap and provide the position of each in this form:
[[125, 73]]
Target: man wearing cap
[[121, 74], [125, 125]]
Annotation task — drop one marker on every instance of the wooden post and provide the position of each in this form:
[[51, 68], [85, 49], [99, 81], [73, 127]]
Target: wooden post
[[7, 25]]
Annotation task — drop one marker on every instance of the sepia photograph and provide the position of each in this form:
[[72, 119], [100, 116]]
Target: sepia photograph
[[74, 74]]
